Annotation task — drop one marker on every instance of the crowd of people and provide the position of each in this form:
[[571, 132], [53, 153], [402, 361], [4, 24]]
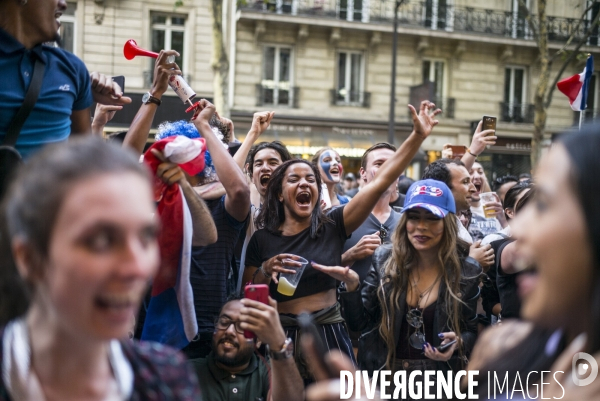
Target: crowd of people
[[123, 265]]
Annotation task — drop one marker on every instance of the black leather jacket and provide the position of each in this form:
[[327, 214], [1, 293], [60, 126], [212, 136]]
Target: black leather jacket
[[362, 311]]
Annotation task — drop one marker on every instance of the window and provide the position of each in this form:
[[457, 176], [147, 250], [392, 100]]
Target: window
[[67, 30], [438, 14], [277, 76], [168, 33], [515, 103], [520, 27], [281, 6], [434, 72], [595, 9], [350, 78], [353, 10]]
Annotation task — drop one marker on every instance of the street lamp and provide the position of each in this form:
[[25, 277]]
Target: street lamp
[[391, 129]]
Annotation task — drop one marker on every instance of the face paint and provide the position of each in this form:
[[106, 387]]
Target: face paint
[[326, 166]]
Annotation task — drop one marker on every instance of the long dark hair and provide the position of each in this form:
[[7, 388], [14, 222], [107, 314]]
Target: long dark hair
[[582, 148], [272, 213]]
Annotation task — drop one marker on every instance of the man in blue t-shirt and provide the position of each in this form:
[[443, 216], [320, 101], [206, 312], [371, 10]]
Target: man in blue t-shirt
[[63, 105]]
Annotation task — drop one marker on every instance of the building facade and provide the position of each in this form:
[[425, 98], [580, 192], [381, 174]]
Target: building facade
[[324, 66]]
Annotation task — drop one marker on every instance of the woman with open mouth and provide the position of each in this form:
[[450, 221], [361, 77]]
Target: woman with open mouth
[[296, 227], [79, 226], [329, 163], [558, 235]]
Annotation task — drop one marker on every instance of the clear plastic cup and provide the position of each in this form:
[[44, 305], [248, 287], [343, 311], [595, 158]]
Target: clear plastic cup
[[288, 282], [488, 197]]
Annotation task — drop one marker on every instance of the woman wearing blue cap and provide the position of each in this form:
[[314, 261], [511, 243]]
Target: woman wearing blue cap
[[421, 291]]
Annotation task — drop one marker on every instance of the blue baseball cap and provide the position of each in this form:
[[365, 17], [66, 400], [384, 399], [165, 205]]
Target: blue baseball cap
[[432, 195]]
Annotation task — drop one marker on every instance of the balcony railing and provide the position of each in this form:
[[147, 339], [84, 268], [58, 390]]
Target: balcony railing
[[447, 105], [516, 113], [268, 95], [428, 15], [589, 116], [341, 97]]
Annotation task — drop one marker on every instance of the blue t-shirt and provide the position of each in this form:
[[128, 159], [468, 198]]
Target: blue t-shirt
[[210, 267], [66, 87]]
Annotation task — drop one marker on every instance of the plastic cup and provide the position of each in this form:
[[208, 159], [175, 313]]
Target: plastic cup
[[288, 282], [488, 197]]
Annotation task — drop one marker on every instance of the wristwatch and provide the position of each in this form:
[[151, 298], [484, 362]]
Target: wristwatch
[[286, 351], [148, 98]]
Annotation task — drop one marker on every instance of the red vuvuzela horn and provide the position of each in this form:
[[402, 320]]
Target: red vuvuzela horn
[[131, 49]]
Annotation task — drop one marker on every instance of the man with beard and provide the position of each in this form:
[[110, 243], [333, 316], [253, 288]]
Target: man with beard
[[233, 371]]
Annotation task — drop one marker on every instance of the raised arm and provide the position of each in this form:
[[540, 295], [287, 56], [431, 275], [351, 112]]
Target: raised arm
[[260, 122], [203, 225], [356, 212], [481, 139], [137, 135], [237, 199]]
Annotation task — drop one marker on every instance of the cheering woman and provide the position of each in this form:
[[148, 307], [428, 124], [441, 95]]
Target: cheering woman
[[294, 226]]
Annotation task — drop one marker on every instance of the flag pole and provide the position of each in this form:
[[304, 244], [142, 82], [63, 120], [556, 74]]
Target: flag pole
[[580, 119]]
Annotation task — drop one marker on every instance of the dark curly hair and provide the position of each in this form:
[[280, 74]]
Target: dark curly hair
[[277, 146], [438, 170], [272, 214]]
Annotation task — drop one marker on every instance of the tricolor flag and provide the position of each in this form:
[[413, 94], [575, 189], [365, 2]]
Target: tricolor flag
[[170, 317], [576, 87]]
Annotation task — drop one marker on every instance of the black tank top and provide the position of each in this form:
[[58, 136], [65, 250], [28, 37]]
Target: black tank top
[[403, 349]]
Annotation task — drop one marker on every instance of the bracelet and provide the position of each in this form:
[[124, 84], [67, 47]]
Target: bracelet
[[262, 270], [471, 153]]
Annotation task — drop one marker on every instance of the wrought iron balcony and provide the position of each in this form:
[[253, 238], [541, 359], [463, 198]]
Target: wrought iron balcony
[[428, 15], [516, 113], [447, 105], [341, 97], [273, 95]]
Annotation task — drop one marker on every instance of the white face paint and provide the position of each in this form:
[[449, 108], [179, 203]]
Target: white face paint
[[330, 164]]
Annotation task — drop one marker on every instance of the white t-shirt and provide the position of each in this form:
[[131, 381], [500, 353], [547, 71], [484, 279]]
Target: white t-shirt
[[463, 233], [504, 233]]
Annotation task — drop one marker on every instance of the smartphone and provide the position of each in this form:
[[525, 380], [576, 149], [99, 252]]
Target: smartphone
[[458, 151], [308, 329], [445, 347], [489, 123], [256, 292], [121, 81]]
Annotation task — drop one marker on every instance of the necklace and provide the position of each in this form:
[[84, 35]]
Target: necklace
[[414, 316]]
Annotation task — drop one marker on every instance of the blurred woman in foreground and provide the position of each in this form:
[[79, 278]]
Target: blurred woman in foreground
[[79, 226]]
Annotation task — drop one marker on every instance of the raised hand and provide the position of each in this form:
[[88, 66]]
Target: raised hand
[[481, 139], [263, 320], [106, 91], [260, 122], [424, 121], [162, 71]]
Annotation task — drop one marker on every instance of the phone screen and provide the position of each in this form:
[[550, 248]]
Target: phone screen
[[121, 81]]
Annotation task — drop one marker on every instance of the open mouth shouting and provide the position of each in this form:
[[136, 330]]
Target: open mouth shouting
[[303, 199], [264, 179]]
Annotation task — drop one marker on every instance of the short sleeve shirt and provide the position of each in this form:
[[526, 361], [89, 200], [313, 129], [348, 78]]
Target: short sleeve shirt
[[326, 249], [251, 384], [65, 87]]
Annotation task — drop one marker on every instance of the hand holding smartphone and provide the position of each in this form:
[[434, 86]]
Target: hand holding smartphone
[[259, 293], [489, 122], [445, 347]]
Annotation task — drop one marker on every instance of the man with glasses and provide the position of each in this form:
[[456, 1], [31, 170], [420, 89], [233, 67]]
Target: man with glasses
[[233, 371]]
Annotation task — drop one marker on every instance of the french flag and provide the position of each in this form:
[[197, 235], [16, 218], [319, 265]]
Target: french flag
[[576, 87], [170, 317]]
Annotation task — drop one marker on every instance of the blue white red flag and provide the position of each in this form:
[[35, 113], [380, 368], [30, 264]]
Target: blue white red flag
[[576, 87], [170, 316]]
